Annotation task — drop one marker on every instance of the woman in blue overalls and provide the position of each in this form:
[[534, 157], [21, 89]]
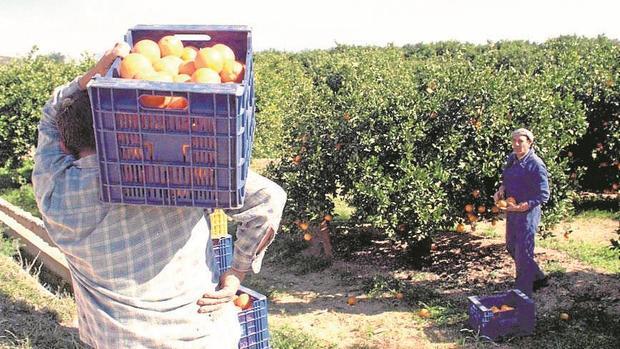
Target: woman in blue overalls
[[525, 178]]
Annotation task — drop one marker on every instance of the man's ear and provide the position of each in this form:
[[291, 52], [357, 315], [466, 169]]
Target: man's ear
[[63, 148]]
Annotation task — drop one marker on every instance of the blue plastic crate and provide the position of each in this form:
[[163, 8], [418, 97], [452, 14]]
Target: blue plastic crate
[[253, 321], [520, 321], [198, 156], [223, 251]]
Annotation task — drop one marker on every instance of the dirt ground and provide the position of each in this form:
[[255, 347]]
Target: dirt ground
[[473, 263]]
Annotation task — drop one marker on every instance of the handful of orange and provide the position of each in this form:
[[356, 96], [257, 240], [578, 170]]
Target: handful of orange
[[168, 60]]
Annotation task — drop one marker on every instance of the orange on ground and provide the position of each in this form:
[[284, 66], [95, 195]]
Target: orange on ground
[[168, 64], [170, 45], [469, 208], [189, 53], [232, 71], [424, 313], [307, 236], [209, 58], [460, 228], [133, 64], [351, 300], [482, 209], [328, 217], [148, 48], [472, 218], [206, 76], [297, 160], [303, 226]]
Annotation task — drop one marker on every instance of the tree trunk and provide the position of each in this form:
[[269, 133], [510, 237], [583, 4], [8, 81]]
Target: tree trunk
[[320, 245]]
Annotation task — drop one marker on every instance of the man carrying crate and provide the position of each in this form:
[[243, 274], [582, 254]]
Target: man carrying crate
[[143, 276]]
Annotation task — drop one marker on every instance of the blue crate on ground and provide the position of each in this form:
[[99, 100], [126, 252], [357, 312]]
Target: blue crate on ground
[[518, 322], [196, 156], [253, 321], [223, 251]]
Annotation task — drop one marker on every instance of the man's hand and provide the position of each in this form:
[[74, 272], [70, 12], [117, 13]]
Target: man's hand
[[499, 194], [121, 49], [521, 207], [226, 290]]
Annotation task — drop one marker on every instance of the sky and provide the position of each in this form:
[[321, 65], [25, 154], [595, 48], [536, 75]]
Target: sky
[[71, 27]]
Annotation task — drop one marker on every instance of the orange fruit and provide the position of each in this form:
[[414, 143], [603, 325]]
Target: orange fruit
[[209, 58], [469, 208], [133, 64], [424, 313], [226, 52], [243, 301], [297, 160], [182, 78], [495, 209], [147, 48], [232, 72], [472, 218], [189, 53], [506, 307], [502, 204], [481, 209], [460, 228], [303, 226], [187, 67], [352, 300], [328, 217], [307, 236], [154, 101], [177, 103], [170, 45], [168, 64], [206, 76]]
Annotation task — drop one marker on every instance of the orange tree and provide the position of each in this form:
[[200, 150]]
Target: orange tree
[[407, 140], [26, 84]]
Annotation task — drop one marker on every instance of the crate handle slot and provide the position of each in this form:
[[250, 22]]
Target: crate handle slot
[[193, 37], [153, 101]]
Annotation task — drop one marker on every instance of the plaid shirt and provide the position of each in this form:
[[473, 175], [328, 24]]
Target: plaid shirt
[[139, 270]]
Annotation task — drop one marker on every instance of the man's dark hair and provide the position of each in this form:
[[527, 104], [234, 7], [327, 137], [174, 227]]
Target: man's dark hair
[[75, 124]]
